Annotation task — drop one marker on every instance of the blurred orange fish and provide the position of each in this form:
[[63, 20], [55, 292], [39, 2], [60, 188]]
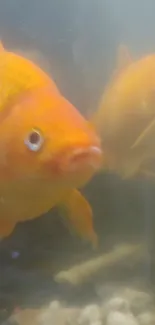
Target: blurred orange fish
[[47, 149], [125, 120]]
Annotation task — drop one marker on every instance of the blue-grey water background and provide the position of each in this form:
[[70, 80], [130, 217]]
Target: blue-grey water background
[[76, 42]]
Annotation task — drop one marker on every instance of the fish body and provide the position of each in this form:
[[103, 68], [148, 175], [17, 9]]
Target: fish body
[[47, 149], [125, 120]]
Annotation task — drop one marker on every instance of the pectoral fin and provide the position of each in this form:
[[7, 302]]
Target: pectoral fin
[[124, 58], [79, 216]]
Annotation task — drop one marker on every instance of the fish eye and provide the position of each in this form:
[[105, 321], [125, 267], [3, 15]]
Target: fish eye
[[34, 140]]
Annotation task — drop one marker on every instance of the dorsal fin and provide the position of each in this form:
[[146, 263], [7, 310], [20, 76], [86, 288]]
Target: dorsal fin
[[1, 47], [124, 58]]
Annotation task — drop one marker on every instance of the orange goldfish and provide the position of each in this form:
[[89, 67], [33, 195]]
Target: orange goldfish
[[47, 149], [125, 120]]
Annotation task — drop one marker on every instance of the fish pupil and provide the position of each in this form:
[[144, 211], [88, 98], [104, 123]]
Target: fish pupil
[[34, 137], [34, 140]]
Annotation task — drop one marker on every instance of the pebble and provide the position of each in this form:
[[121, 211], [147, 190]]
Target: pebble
[[117, 303], [125, 306], [55, 305], [139, 301], [118, 318], [147, 318], [90, 316]]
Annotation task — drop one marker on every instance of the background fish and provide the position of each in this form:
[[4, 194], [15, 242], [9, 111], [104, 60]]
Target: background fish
[[125, 119], [46, 149]]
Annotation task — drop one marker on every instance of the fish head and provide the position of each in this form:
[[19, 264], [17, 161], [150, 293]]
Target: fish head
[[44, 136]]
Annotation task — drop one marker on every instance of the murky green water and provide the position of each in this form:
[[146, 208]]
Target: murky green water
[[76, 42]]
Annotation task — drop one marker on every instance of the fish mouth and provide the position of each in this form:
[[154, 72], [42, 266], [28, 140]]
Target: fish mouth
[[82, 159]]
